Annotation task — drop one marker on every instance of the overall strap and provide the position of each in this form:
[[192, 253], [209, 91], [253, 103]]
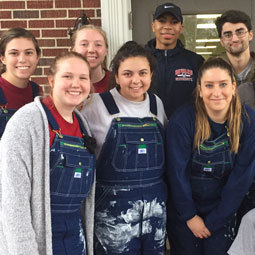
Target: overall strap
[[109, 102], [53, 123], [35, 89], [153, 103], [2, 98], [89, 141], [83, 130]]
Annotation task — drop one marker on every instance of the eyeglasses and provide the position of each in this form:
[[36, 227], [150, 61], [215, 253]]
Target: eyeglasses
[[239, 33]]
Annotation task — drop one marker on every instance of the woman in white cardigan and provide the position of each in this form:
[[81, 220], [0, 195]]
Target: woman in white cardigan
[[34, 158]]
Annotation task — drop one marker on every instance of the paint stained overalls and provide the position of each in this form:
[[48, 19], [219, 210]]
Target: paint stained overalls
[[130, 214], [5, 113], [71, 177], [248, 202], [210, 170]]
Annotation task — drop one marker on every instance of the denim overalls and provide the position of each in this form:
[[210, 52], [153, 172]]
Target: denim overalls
[[209, 171], [5, 113], [130, 213], [71, 177]]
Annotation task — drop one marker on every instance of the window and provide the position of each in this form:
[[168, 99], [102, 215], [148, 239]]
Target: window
[[200, 35]]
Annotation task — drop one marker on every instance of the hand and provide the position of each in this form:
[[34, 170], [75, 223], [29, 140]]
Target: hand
[[198, 228]]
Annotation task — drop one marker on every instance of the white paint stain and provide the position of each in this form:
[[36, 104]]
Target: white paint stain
[[115, 233], [82, 238]]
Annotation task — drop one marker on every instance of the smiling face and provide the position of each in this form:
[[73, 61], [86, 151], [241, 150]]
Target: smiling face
[[134, 78], [167, 30], [217, 90], [236, 45], [20, 59], [91, 44], [70, 84]]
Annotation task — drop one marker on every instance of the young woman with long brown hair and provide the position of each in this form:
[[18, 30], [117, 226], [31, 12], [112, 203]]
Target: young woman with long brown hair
[[211, 163]]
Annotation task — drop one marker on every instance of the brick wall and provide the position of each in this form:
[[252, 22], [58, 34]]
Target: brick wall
[[49, 21]]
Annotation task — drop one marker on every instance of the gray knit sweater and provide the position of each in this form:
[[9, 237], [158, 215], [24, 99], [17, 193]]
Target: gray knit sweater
[[25, 218]]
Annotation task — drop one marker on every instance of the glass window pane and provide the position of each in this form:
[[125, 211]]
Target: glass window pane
[[200, 35]]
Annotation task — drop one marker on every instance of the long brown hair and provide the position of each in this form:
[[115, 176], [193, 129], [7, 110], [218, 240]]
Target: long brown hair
[[14, 33], [234, 121]]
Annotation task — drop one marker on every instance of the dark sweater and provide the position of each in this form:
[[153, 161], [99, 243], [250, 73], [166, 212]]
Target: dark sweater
[[180, 136], [176, 75]]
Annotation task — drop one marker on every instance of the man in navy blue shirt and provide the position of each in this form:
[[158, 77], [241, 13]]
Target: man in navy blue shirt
[[177, 68]]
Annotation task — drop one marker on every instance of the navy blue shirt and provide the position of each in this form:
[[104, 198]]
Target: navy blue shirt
[[176, 75], [180, 136]]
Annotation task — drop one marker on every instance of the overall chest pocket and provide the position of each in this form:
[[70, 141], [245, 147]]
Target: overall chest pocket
[[215, 164], [71, 175], [138, 151]]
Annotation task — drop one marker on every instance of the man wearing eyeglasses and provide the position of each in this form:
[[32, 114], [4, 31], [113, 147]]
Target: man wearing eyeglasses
[[235, 32]]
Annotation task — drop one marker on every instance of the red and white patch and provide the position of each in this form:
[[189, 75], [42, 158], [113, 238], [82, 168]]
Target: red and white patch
[[183, 74]]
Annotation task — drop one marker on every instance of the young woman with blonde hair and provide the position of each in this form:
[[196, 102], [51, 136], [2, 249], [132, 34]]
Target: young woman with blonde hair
[[91, 42]]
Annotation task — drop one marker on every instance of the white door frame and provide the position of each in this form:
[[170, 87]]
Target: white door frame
[[116, 17]]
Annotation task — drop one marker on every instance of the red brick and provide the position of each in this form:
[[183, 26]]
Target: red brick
[[97, 22], [46, 70], [12, 5], [53, 14], [40, 4], [46, 42], [64, 42], [65, 23], [78, 13], [91, 3], [40, 80], [53, 52], [5, 14], [25, 14], [8, 24], [54, 33], [45, 61], [67, 4], [46, 89], [38, 71], [36, 33], [41, 23]]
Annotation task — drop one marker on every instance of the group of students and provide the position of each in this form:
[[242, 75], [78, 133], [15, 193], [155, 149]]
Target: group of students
[[96, 181]]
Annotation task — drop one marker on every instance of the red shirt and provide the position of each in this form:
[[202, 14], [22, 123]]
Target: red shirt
[[17, 97], [103, 85], [71, 129]]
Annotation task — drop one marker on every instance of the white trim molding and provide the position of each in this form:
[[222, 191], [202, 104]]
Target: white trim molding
[[116, 23]]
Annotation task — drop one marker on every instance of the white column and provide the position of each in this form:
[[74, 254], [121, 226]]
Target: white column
[[115, 22]]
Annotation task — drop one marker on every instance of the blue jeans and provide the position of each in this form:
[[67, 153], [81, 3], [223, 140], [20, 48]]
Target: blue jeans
[[130, 214], [130, 220], [209, 172], [67, 235], [183, 242], [71, 177]]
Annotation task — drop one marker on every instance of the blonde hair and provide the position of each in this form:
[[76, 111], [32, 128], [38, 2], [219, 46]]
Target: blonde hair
[[99, 30], [233, 116]]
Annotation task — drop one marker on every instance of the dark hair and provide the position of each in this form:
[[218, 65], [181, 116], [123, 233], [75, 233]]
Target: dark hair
[[65, 55], [13, 33], [233, 16], [127, 50], [233, 115], [215, 62]]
